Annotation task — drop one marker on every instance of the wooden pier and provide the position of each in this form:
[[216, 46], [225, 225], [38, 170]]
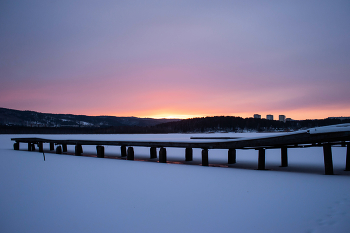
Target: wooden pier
[[322, 136]]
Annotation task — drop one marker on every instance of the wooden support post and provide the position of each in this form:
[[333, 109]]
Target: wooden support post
[[100, 151], [153, 152], [347, 166], [205, 157], [78, 149], [41, 148], [261, 159], [231, 156], [130, 155], [328, 162], [188, 154], [59, 150], [284, 157], [16, 146], [123, 151], [162, 155], [29, 146], [52, 146], [33, 147], [64, 148]]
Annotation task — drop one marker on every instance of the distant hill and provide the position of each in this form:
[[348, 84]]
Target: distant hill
[[11, 117], [30, 122]]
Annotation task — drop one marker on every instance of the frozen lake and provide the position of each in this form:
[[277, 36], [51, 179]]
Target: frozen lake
[[67, 193]]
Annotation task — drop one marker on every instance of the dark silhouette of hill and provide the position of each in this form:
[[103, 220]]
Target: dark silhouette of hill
[[11, 117], [30, 122]]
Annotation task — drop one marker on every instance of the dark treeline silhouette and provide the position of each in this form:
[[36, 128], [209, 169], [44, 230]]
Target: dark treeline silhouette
[[239, 124], [194, 125], [12, 117], [80, 130]]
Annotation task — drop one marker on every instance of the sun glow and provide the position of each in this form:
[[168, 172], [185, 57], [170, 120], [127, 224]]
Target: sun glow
[[172, 116]]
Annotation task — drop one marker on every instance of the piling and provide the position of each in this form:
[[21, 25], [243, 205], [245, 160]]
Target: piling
[[188, 154], [162, 155], [78, 149], [64, 148], [231, 157], [58, 150], [16, 146], [100, 151], [153, 152], [328, 162], [284, 157], [123, 151], [41, 148], [347, 166], [130, 154], [261, 159], [205, 157], [52, 146]]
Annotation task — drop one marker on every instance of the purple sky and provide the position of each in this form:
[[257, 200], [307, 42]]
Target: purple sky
[[176, 58]]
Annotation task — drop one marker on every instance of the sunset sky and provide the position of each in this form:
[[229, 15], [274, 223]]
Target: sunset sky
[[176, 59]]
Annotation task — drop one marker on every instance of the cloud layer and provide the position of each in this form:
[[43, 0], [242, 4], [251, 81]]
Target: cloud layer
[[176, 58]]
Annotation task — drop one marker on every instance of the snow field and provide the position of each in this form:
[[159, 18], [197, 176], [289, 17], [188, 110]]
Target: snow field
[[82, 194]]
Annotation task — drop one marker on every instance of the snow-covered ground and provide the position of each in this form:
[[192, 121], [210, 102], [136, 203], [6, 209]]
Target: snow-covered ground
[[67, 193]]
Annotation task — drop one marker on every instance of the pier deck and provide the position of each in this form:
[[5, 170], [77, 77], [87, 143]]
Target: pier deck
[[321, 136]]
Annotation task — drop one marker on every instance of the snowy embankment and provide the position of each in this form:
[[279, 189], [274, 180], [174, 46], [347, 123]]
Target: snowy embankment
[[66, 193]]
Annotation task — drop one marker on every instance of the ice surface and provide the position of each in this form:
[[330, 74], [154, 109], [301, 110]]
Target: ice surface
[[66, 193]]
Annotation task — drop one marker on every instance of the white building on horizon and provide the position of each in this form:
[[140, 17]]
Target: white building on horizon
[[282, 118], [257, 116], [269, 117]]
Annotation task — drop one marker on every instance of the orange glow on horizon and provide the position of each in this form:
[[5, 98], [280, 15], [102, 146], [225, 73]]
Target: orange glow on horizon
[[299, 114], [302, 114]]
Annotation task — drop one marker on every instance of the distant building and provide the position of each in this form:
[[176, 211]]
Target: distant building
[[289, 119], [282, 118], [269, 117], [257, 116]]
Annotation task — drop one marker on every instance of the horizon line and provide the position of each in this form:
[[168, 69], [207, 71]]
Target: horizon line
[[172, 117]]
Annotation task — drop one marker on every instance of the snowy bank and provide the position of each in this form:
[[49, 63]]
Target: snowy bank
[[81, 194]]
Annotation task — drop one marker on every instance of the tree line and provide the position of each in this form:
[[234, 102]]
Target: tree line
[[239, 124], [193, 125]]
